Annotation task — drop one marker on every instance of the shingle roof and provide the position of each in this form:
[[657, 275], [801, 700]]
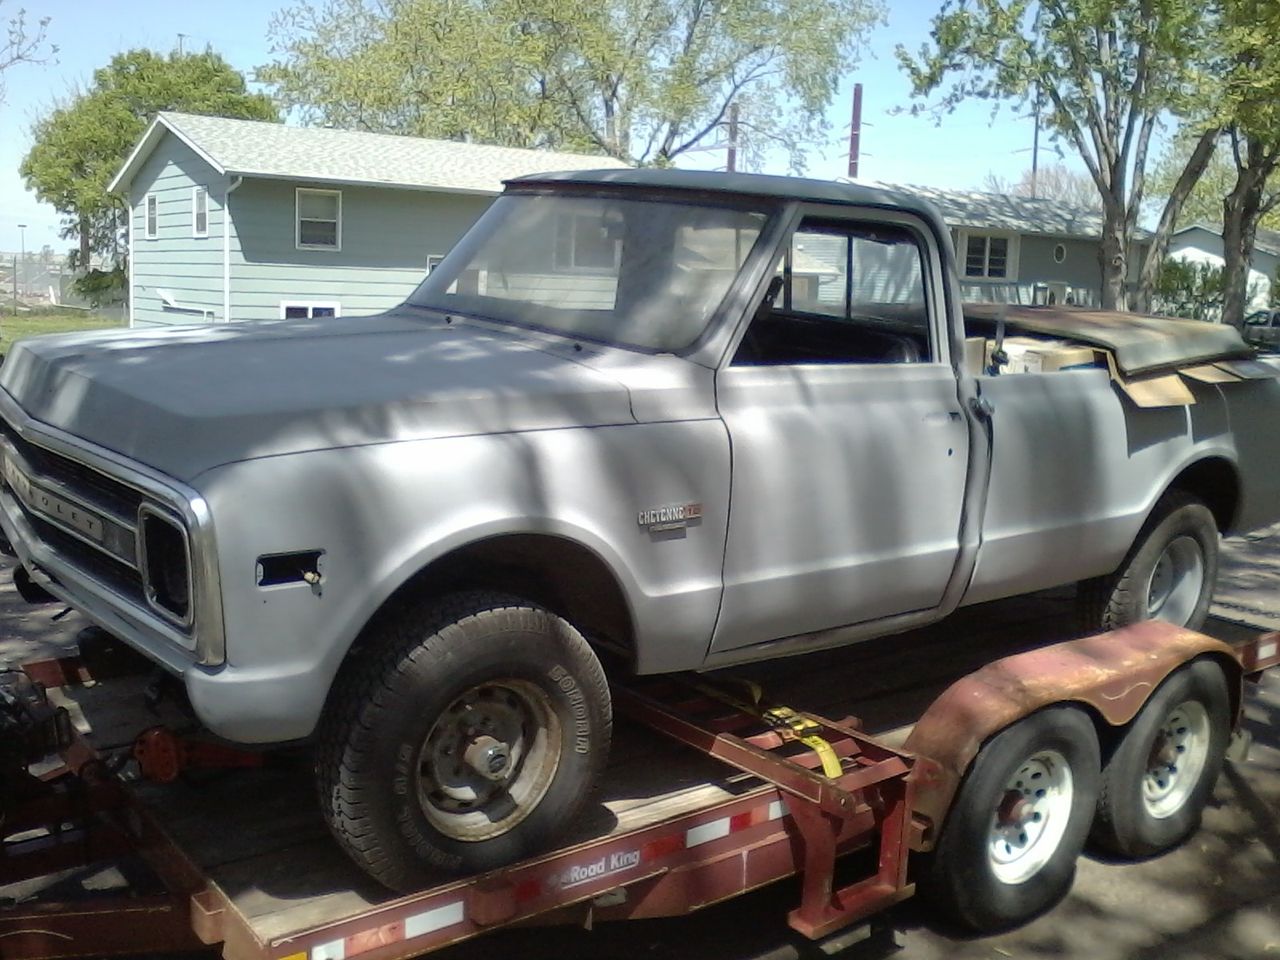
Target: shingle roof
[[253, 148], [1265, 241], [999, 211]]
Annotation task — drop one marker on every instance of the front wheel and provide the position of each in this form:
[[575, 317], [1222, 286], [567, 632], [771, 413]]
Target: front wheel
[[1009, 846], [1168, 574], [467, 737]]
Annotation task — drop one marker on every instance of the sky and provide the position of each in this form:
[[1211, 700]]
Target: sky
[[896, 147]]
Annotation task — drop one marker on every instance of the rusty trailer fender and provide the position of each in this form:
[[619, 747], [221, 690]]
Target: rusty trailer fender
[[1112, 674]]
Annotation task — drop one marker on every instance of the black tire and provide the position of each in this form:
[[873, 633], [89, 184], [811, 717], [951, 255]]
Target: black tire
[[1179, 525], [431, 685], [1141, 814], [963, 877]]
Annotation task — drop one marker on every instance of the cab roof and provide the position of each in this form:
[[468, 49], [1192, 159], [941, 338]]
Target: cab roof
[[786, 189]]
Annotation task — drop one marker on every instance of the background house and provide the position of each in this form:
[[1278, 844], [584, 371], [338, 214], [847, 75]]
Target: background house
[[1199, 243], [242, 220], [1025, 249]]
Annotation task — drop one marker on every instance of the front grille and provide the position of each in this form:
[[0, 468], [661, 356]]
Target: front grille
[[50, 488]]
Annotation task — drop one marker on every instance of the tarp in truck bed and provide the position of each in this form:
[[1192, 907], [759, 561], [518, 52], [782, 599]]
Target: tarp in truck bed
[[1139, 343]]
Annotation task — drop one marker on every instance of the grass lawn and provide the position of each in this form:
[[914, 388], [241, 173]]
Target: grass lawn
[[47, 321]]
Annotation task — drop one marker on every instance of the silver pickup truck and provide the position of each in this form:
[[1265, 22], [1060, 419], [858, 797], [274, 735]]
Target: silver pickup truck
[[676, 420]]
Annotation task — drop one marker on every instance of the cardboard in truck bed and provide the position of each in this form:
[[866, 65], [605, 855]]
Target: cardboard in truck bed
[[1139, 343]]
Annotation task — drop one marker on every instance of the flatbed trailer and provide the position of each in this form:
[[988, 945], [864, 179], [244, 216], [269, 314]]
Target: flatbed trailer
[[726, 801]]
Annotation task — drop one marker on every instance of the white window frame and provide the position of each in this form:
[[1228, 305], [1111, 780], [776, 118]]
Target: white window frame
[[570, 221], [434, 260], [1011, 264], [310, 306], [150, 231], [297, 220], [197, 192]]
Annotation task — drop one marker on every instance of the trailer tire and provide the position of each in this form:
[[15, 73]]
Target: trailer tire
[[1168, 573], [1161, 774], [1008, 849], [466, 735]]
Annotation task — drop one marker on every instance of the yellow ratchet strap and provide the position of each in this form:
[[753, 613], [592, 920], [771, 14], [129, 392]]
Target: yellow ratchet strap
[[783, 719], [804, 730]]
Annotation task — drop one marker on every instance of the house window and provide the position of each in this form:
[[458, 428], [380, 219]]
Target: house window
[[586, 242], [308, 310], [1060, 253], [152, 217], [433, 261], [199, 212], [319, 219], [988, 257]]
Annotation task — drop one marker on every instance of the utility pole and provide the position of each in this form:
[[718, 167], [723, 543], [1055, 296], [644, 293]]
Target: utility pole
[[731, 163], [1035, 144], [181, 37], [855, 132], [22, 241]]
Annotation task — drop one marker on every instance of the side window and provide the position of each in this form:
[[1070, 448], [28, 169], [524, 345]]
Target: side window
[[843, 292], [199, 212]]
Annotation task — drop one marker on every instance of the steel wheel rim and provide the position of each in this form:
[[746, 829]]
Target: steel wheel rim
[[1176, 582], [488, 760], [1031, 817], [1177, 759]]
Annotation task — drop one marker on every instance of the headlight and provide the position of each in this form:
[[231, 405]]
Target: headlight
[[166, 564]]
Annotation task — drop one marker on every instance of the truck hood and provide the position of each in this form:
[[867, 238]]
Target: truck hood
[[186, 399]]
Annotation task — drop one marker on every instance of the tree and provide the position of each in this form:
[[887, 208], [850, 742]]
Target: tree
[[1236, 193], [1253, 106], [23, 43], [1053, 182], [1105, 71], [1191, 290], [645, 81], [80, 144]]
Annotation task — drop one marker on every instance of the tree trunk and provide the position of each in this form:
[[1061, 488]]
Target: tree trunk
[[1112, 259], [1241, 211], [83, 264], [1159, 248]]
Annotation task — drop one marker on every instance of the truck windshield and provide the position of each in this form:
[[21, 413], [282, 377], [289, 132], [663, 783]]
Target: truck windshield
[[635, 273]]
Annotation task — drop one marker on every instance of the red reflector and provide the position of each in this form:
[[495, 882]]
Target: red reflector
[[740, 821], [662, 847], [527, 890]]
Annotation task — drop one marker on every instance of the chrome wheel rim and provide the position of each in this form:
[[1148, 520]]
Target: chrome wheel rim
[[1176, 582], [1031, 817], [488, 760], [1177, 760]]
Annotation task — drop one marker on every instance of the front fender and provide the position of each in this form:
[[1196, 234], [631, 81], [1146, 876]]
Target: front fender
[[381, 513]]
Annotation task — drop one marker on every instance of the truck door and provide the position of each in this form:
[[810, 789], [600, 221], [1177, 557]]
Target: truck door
[[848, 442]]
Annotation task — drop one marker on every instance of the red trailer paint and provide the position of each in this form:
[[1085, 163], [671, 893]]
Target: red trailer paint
[[688, 844]]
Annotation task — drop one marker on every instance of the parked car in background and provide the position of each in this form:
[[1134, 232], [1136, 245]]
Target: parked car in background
[[1262, 329]]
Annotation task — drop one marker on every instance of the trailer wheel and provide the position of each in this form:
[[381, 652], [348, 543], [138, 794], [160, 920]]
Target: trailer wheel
[[469, 737], [1168, 574], [1157, 781], [1009, 847]]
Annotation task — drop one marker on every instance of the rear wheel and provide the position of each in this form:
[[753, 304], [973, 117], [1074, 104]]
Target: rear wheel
[[1009, 847], [1160, 776], [1168, 574], [467, 737]]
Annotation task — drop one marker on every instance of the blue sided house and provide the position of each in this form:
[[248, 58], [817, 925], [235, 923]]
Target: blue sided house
[[244, 220]]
